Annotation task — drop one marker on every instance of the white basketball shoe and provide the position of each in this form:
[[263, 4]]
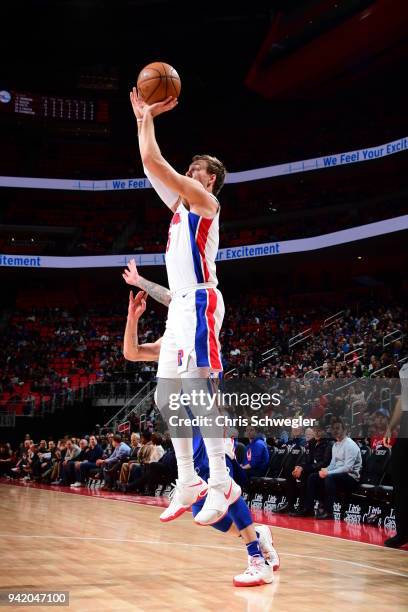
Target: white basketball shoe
[[266, 545], [182, 497], [257, 573], [219, 498]]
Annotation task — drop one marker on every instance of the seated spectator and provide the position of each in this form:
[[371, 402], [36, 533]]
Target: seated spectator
[[158, 450], [47, 461], [57, 460], [32, 469], [297, 437], [42, 447], [143, 457], [309, 434], [155, 473], [257, 454], [317, 456], [6, 459], [72, 452], [342, 473], [86, 461], [381, 421], [166, 442], [135, 446], [112, 464], [22, 458]]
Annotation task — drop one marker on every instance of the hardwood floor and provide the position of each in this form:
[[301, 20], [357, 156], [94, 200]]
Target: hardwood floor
[[113, 555]]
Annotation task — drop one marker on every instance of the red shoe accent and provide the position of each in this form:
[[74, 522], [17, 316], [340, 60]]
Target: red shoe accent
[[172, 517], [222, 515], [227, 495], [181, 511], [248, 584]]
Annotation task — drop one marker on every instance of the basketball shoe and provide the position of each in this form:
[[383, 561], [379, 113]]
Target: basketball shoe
[[257, 573], [220, 496], [266, 545], [182, 497]]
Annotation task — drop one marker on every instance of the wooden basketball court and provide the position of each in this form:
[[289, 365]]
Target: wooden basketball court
[[113, 555]]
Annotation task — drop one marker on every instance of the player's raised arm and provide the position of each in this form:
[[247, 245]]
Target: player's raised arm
[[132, 350], [195, 193], [157, 292], [168, 196]]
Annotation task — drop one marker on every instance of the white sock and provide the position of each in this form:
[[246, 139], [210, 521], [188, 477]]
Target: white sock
[[216, 458], [183, 448]]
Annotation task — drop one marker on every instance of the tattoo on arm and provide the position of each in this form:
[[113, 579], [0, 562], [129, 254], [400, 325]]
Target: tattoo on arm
[[157, 292]]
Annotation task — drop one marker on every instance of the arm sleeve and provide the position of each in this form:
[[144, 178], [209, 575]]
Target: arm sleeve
[[168, 196]]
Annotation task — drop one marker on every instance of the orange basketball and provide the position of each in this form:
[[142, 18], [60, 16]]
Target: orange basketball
[[157, 81]]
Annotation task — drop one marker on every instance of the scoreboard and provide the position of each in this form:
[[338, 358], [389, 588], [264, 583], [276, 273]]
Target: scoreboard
[[54, 107]]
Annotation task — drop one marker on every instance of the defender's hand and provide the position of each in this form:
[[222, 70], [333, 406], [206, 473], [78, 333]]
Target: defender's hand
[[137, 305]]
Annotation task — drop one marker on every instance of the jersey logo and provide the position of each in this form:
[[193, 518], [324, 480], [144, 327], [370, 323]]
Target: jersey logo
[[180, 355], [174, 221]]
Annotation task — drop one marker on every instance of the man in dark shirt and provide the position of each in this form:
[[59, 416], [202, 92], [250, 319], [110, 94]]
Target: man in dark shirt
[[318, 455], [86, 462]]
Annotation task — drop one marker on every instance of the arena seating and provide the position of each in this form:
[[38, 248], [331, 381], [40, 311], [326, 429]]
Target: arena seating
[[56, 349]]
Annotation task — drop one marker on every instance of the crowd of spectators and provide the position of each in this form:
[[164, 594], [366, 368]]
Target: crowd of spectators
[[135, 463], [54, 352], [328, 462]]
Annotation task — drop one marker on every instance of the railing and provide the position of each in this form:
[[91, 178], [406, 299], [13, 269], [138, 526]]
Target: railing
[[116, 390], [272, 352], [121, 413], [352, 354], [306, 375], [333, 319], [387, 338], [300, 337], [140, 405], [376, 372]]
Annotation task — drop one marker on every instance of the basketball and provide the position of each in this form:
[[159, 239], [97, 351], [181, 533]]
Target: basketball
[[157, 81]]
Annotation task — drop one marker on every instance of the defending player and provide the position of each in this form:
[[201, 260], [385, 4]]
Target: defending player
[[262, 556], [190, 348]]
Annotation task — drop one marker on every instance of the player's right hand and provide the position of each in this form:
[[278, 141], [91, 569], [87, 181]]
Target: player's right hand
[[140, 107], [131, 274]]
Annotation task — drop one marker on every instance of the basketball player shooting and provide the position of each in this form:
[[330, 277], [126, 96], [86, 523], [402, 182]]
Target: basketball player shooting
[[190, 348]]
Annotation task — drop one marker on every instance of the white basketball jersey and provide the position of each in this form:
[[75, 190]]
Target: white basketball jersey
[[192, 247]]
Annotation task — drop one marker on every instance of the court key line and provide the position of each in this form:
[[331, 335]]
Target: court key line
[[125, 540]]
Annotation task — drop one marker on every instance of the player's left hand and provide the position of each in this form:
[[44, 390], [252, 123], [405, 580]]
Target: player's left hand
[[137, 305], [323, 473]]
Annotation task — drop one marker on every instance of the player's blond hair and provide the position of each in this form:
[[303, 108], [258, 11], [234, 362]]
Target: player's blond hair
[[214, 166]]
